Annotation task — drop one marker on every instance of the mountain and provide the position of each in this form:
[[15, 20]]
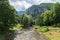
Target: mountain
[[38, 9], [21, 12]]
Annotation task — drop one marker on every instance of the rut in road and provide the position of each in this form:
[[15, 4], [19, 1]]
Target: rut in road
[[28, 35]]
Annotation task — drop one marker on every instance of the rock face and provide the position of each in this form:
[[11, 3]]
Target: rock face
[[38, 9], [28, 35]]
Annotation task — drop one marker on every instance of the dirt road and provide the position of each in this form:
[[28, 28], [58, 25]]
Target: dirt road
[[28, 35]]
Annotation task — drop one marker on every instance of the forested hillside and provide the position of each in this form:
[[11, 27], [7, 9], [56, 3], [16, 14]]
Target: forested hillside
[[38, 9]]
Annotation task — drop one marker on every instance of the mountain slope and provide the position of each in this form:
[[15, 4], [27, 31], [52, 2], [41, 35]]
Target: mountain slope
[[38, 9], [21, 12]]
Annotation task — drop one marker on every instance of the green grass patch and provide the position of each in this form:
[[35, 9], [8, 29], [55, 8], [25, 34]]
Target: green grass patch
[[50, 32], [17, 27], [53, 28], [52, 35], [42, 29]]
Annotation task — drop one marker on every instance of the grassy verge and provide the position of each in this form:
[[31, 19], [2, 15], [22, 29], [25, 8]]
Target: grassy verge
[[52, 35], [42, 29], [50, 32], [17, 27]]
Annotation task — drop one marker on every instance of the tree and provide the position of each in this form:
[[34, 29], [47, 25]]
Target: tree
[[55, 9], [38, 20], [7, 18], [52, 16], [4, 1], [26, 20], [47, 18]]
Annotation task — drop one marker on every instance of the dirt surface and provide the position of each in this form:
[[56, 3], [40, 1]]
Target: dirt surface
[[28, 35]]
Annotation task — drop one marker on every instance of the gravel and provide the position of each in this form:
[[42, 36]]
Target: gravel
[[28, 35]]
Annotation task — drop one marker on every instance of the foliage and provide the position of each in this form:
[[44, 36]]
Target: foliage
[[26, 20], [38, 20], [42, 29], [49, 17], [17, 27], [1, 37], [3, 0], [7, 17], [38, 9], [55, 9]]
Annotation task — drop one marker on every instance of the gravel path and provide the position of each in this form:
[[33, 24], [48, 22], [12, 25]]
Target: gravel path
[[28, 35]]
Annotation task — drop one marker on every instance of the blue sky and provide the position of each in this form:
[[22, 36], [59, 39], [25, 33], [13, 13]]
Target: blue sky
[[22, 5]]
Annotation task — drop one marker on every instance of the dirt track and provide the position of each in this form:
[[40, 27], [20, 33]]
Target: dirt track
[[28, 35]]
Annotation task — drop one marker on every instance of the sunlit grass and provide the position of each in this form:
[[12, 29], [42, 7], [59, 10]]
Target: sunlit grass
[[17, 27], [50, 32], [52, 35], [41, 29]]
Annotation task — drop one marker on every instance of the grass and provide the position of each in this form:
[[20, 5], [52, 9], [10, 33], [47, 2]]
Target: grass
[[41, 29], [17, 27], [52, 35], [50, 32]]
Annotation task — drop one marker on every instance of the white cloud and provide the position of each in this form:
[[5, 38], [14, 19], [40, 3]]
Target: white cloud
[[49, 1], [24, 4], [46, 1], [20, 5], [27, 5]]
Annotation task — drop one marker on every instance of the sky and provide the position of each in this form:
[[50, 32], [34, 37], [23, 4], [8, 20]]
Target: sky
[[22, 5]]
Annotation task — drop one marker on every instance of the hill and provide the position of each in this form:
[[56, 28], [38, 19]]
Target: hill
[[21, 12], [38, 9]]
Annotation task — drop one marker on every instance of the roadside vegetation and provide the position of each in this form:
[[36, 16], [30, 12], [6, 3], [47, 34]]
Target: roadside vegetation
[[17, 27]]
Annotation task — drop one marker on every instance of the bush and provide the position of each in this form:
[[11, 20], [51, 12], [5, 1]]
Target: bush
[[42, 29], [17, 27]]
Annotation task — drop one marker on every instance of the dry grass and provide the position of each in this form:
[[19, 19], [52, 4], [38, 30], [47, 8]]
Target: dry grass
[[53, 34]]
